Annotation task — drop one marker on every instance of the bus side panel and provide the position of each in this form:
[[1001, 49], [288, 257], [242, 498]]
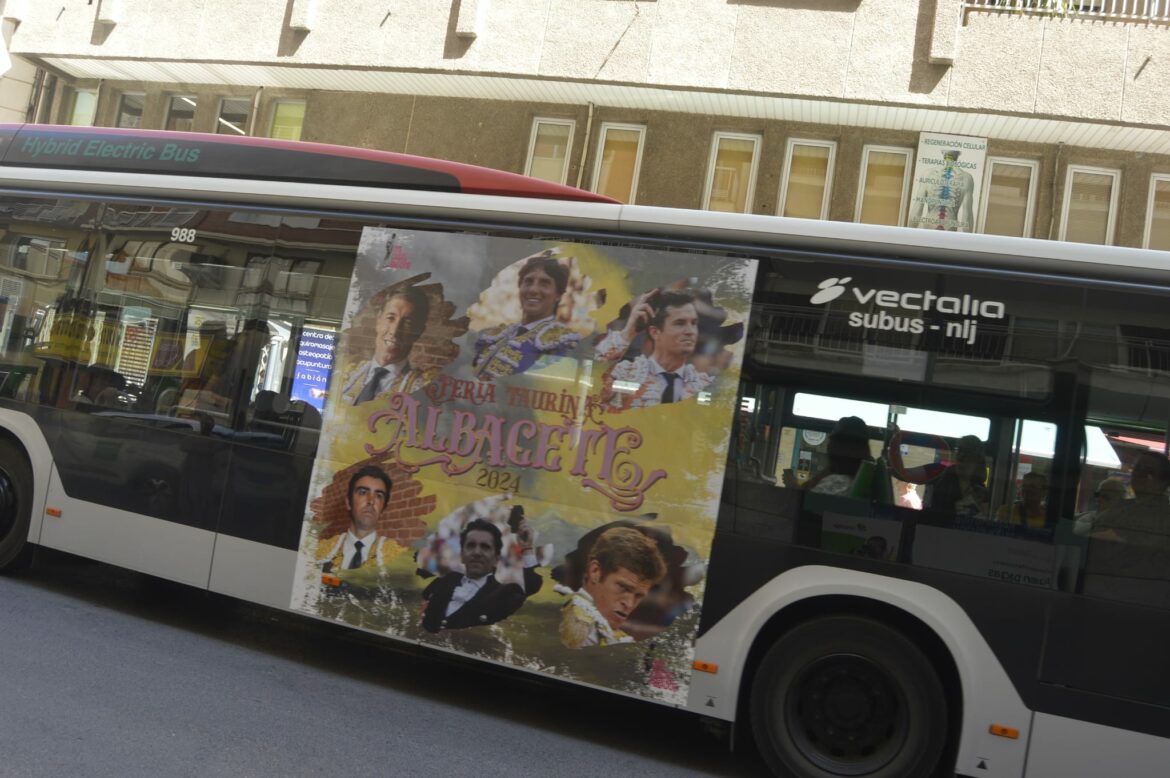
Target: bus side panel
[[154, 467], [253, 571], [32, 438], [131, 540], [988, 694], [1061, 747]]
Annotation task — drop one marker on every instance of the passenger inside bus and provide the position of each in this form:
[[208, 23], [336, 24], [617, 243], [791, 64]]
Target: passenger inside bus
[[848, 450], [1110, 493], [1144, 520], [205, 370], [1030, 509], [100, 386], [959, 487], [1129, 546]]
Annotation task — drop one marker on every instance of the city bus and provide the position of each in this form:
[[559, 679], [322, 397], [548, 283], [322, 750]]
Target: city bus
[[892, 502]]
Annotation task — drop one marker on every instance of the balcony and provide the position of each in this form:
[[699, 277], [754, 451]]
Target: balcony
[[1110, 10]]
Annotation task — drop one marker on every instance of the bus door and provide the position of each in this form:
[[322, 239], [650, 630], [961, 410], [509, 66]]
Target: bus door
[[293, 299]]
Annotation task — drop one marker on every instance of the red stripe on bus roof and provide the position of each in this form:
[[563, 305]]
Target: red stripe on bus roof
[[473, 179]]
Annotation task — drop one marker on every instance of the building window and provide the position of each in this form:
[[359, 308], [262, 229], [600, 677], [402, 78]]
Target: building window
[[731, 172], [619, 157], [1158, 214], [1008, 197], [233, 116], [84, 107], [808, 175], [130, 110], [288, 119], [180, 114], [1090, 205], [885, 180], [548, 149]]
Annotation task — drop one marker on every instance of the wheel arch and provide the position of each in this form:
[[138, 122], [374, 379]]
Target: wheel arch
[[735, 644], [24, 432], [808, 609]]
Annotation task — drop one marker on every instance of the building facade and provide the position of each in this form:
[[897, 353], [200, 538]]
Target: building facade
[[812, 109]]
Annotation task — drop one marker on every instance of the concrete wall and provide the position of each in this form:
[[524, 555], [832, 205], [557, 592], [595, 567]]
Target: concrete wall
[[873, 50], [675, 155], [869, 51], [16, 88]]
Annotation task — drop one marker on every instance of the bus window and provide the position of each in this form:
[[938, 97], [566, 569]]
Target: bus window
[[305, 284], [301, 286], [160, 382], [936, 488], [920, 327], [1123, 509], [1127, 521], [173, 329], [1116, 531], [45, 246], [1025, 503]]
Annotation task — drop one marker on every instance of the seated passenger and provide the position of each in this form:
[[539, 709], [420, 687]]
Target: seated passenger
[[1129, 548], [100, 386], [1029, 509], [1109, 494], [848, 449], [958, 488], [1144, 520]]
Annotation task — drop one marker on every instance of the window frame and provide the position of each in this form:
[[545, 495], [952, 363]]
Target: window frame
[[219, 114], [907, 174], [276, 106], [1029, 210], [712, 157], [121, 101], [77, 92], [826, 198], [1148, 228], [1114, 194], [600, 149], [536, 122], [171, 98]]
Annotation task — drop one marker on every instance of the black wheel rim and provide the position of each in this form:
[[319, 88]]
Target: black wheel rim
[[7, 504], [846, 715]]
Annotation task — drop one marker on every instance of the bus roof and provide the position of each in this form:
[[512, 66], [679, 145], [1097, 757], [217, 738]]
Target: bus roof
[[230, 156]]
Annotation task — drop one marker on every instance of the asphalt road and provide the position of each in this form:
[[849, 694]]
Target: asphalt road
[[108, 672]]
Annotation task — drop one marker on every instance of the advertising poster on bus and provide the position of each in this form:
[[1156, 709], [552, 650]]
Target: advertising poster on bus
[[523, 449]]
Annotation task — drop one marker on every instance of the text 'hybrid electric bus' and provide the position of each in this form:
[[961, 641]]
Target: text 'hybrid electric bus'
[[895, 499]]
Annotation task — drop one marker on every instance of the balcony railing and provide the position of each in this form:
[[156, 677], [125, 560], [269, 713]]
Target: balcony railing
[[1119, 10]]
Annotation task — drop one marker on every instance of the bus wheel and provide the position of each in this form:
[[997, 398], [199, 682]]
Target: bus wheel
[[15, 507], [847, 695]]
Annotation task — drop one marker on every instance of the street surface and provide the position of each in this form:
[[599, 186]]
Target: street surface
[[112, 673]]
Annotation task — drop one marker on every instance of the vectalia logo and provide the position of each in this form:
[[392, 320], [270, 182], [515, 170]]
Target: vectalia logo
[[831, 289], [925, 301]]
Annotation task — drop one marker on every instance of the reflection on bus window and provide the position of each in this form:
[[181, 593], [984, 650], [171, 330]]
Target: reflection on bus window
[[1129, 537]]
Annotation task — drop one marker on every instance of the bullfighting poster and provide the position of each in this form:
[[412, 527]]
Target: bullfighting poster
[[523, 450]]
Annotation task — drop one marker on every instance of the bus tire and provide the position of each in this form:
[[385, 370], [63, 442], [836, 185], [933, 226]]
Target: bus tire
[[848, 695], [16, 491]]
